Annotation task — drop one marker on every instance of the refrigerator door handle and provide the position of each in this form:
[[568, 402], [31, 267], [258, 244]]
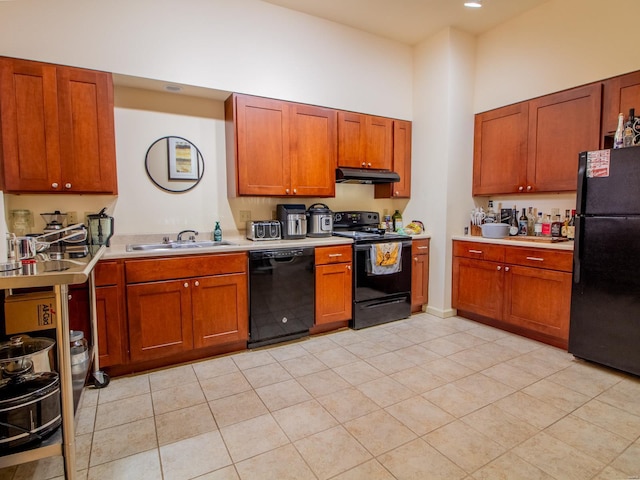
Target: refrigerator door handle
[[577, 253], [582, 175]]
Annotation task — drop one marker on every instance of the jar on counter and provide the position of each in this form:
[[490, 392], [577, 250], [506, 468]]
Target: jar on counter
[[79, 347]]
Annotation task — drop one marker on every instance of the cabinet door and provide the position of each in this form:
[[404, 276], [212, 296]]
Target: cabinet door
[[478, 287], [538, 300], [159, 319], [111, 337], [262, 136], [419, 274], [87, 139], [333, 293], [560, 127], [314, 149], [401, 163], [351, 140], [379, 142], [29, 115], [500, 150], [220, 309], [620, 94]]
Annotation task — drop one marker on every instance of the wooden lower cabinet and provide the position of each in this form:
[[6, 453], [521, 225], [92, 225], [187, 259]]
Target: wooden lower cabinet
[[524, 290], [419, 274], [334, 277], [110, 313], [173, 306]]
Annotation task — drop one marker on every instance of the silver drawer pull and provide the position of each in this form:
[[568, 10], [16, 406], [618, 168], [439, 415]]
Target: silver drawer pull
[[335, 254], [536, 259], [423, 248], [476, 251]]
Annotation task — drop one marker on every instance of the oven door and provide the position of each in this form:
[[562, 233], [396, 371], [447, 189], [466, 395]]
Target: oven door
[[369, 285]]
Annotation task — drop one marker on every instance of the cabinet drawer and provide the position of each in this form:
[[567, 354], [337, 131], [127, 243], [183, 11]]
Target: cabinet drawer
[[337, 254], [106, 273], [184, 267], [540, 258], [420, 247], [480, 251]]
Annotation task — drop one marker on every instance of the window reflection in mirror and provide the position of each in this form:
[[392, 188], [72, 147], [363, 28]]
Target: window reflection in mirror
[[174, 164]]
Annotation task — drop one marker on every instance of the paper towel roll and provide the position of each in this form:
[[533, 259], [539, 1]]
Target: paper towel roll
[[3, 231]]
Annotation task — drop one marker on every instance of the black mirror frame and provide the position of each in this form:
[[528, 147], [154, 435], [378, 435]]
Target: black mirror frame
[[200, 165]]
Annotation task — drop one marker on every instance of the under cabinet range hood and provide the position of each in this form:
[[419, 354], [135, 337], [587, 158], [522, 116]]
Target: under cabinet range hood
[[363, 175]]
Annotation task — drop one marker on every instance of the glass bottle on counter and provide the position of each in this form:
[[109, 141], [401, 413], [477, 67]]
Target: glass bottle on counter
[[565, 223], [397, 220], [537, 228], [513, 222], [531, 222], [217, 233], [546, 225], [556, 226], [523, 223], [571, 228], [491, 216]]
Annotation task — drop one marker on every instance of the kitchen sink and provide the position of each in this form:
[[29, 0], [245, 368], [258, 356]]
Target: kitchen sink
[[176, 245]]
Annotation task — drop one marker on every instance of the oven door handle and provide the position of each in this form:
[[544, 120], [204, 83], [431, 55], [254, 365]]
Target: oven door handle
[[367, 246]]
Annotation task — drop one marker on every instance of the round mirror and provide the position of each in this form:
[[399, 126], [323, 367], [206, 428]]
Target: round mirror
[[174, 164]]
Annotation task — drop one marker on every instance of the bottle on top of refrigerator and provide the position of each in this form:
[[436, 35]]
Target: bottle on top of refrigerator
[[537, 228], [628, 134], [618, 138], [565, 223], [523, 223]]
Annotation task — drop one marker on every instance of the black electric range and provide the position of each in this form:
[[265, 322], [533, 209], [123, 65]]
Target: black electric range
[[380, 295]]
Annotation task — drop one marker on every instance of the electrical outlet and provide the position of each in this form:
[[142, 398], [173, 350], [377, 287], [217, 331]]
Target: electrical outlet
[[72, 218], [245, 216]]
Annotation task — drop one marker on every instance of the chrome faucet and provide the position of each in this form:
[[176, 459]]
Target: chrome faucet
[[192, 238]]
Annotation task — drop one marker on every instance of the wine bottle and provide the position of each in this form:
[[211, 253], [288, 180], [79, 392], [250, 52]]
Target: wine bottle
[[513, 222], [556, 227], [571, 228], [523, 223], [565, 223], [628, 134], [531, 221], [618, 141]]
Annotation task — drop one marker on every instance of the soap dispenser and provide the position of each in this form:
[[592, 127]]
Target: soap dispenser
[[217, 233]]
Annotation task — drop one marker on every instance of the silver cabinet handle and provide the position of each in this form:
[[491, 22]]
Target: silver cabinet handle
[[67, 186], [415, 259], [286, 190], [476, 251], [186, 284], [54, 185], [536, 259], [520, 188], [369, 165], [423, 248], [506, 269], [196, 283], [499, 267], [364, 164], [335, 254], [295, 191], [348, 267], [529, 188]]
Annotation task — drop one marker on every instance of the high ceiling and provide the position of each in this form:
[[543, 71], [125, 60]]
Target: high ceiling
[[410, 21]]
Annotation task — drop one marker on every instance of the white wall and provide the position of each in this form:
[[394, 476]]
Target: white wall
[[559, 45], [246, 46]]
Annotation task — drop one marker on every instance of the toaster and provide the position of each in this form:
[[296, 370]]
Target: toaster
[[263, 230]]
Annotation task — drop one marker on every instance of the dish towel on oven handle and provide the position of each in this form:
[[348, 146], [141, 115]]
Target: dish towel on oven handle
[[385, 258]]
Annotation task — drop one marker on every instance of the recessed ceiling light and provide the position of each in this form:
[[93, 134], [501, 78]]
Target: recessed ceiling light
[[173, 88], [473, 4]]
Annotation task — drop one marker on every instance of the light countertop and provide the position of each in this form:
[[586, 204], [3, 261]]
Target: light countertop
[[518, 242], [240, 244]]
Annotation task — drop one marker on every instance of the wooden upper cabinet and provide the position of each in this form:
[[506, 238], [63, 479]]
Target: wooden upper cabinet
[[57, 129], [500, 150], [401, 163], [620, 94], [560, 127], [280, 148], [365, 141], [533, 146]]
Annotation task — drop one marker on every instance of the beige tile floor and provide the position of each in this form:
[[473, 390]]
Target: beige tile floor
[[422, 398]]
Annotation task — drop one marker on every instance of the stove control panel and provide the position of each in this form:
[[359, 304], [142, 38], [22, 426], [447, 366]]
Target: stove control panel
[[355, 219]]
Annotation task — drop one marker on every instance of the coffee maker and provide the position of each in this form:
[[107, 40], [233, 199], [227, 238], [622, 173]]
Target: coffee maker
[[293, 219], [54, 222]]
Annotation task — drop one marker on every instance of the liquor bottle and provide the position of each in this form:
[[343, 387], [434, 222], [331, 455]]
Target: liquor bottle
[[565, 223], [546, 225], [618, 141], [397, 221], [217, 233], [523, 223], [628, 134], [531, 221], [556, 227], [513, 222], [491, 215], [537, 228], [571, 228]]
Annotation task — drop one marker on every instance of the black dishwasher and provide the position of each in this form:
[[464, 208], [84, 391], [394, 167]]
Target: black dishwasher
[[281, 295]]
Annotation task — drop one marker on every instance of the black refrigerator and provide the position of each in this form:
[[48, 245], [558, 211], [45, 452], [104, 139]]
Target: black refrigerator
[[605, 297]]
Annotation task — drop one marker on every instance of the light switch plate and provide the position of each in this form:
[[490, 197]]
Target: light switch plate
[[245, 216]]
